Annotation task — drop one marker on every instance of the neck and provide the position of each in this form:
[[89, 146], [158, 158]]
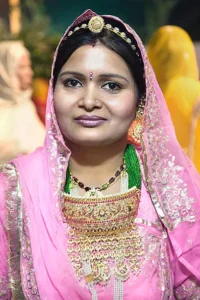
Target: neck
[[101, 161]]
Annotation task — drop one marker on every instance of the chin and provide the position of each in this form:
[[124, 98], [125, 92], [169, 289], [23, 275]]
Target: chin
[[93, 137], [96, 141]]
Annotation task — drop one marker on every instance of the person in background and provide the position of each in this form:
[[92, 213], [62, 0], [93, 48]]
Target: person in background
[[172, 55], [182, 95], [40, 91], [21, 130]]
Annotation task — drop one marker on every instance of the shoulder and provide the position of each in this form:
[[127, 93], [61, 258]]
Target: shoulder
[[31, 168], [23, 166], [29, 162]]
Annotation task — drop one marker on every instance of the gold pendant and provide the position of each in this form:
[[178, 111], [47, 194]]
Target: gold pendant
[[93, 193]]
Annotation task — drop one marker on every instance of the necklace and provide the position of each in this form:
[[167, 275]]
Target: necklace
[[130, 168], [90, 250], [75, 181]]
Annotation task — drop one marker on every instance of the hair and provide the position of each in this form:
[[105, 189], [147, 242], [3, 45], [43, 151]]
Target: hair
[[111, 41]]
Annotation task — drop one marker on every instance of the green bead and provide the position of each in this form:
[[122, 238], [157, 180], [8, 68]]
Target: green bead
[[105, 186]]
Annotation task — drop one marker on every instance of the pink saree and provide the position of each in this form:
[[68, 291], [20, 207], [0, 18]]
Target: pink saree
[[33, 237]]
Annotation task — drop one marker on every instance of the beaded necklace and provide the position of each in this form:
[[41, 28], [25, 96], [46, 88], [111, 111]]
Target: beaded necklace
[[132, 168], [104, 186]]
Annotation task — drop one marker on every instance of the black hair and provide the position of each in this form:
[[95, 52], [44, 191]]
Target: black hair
[[110, 40]]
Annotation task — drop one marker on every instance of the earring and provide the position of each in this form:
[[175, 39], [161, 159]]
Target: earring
[[135, 130]]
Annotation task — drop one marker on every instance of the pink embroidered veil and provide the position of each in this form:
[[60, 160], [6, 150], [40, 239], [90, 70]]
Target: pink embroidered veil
[[170, 177]]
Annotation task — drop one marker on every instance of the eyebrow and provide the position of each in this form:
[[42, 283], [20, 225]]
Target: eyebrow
[[71, 73], [106, 75]]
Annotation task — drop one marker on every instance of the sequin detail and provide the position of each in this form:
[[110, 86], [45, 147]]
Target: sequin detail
[[29, 282], [4, 287], [188, 290], [156, 260], [163, 175], [13, 227]]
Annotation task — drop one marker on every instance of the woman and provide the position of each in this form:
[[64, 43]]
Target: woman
[[21, 130], [83, 235]]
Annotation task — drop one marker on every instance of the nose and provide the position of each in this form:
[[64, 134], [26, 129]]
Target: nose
[[89, 100]]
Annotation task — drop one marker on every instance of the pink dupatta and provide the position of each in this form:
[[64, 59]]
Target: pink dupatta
[[171, 179]]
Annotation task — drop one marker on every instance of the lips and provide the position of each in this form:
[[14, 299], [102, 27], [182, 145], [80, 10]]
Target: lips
[[89, 118], [90, 121]]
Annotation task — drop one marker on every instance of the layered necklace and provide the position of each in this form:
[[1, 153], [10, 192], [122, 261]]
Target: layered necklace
[[103, 238]]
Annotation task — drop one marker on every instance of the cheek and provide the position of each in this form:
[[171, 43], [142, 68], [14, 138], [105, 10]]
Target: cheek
[[60, 103], [125, 107], [64, 106]]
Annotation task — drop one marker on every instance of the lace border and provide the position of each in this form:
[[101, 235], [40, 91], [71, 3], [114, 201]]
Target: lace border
[[13, 228]]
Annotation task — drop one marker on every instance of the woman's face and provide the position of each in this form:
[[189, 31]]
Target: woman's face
[[24, 72], [95, 97]]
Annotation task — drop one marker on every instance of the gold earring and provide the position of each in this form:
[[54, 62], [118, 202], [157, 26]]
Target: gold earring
[[135, 130]]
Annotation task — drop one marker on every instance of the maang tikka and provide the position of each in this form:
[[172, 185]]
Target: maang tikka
[[96, 24]]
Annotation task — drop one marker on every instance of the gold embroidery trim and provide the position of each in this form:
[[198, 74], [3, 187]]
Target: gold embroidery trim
[[13, 227]]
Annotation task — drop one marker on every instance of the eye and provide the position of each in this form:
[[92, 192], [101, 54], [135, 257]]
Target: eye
[[111, 86], [72, 83]]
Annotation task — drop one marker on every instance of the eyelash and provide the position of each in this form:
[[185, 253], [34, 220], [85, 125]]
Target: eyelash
[[119, 87], [67, 82]]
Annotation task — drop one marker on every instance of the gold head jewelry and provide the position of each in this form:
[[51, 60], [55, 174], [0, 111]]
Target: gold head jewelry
[[96, 24]]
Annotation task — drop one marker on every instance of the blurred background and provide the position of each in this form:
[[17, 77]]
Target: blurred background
[[170, 30], [40, 23]]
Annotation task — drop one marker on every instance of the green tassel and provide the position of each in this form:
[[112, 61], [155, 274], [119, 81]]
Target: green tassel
[[68, 181], [132, 167]]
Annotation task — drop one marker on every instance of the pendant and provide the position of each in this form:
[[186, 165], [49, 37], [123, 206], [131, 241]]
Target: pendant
[[93, 193]]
